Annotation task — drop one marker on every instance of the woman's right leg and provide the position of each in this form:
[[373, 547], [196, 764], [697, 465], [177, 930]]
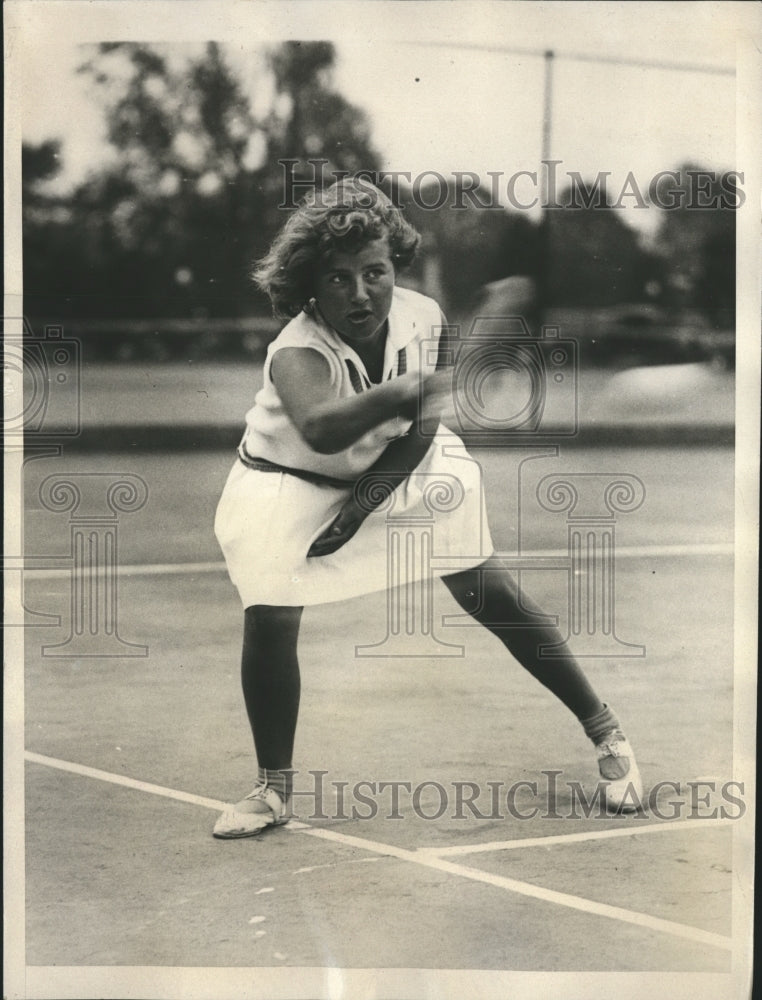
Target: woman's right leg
[[271, 682], [271, 686]]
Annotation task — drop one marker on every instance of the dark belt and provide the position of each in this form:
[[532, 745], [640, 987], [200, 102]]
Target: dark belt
[[317, 478]]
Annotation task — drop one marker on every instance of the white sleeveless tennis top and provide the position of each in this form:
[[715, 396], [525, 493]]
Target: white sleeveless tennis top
[[266, 521], [414, 328]]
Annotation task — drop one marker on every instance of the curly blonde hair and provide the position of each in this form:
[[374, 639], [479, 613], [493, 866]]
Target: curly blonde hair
[[345, 217]]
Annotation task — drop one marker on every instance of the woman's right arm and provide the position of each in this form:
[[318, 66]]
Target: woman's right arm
[[328, 423]]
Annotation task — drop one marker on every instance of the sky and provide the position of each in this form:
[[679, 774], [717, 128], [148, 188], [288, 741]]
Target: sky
[[437, 104]]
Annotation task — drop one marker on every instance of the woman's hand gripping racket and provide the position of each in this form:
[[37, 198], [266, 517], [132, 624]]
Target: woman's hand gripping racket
[[432, 395]]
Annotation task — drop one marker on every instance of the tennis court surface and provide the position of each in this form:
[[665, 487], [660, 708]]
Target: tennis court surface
[[439, 825]]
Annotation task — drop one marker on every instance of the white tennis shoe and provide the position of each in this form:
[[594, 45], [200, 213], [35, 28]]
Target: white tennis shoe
[[261, 808], [617, 766]]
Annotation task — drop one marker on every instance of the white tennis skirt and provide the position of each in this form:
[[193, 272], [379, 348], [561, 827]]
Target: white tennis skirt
[[434, 524]]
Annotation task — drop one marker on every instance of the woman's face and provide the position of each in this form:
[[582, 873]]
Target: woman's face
[[354, 292]]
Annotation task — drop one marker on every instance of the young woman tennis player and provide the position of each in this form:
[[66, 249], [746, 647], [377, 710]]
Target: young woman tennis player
[[350, 399]]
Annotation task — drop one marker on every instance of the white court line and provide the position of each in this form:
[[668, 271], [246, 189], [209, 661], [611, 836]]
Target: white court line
[[575, 838], [191, 568], [644, 920], [123, 780], [134, 569], [425, 860], [138, 786]]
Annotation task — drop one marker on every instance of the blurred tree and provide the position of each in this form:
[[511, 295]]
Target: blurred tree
[[696, 241], [309, 121], [318, 122], [470, 243], [171, 226], [177, 209], [594, 257], [39, 163], [46, 221], [49, 253]]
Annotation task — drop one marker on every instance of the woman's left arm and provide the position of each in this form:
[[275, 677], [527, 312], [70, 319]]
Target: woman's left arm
[[374, 486], [400, 458]]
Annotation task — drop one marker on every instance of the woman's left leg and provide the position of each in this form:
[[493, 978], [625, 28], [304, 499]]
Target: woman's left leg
[[491, 596]]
